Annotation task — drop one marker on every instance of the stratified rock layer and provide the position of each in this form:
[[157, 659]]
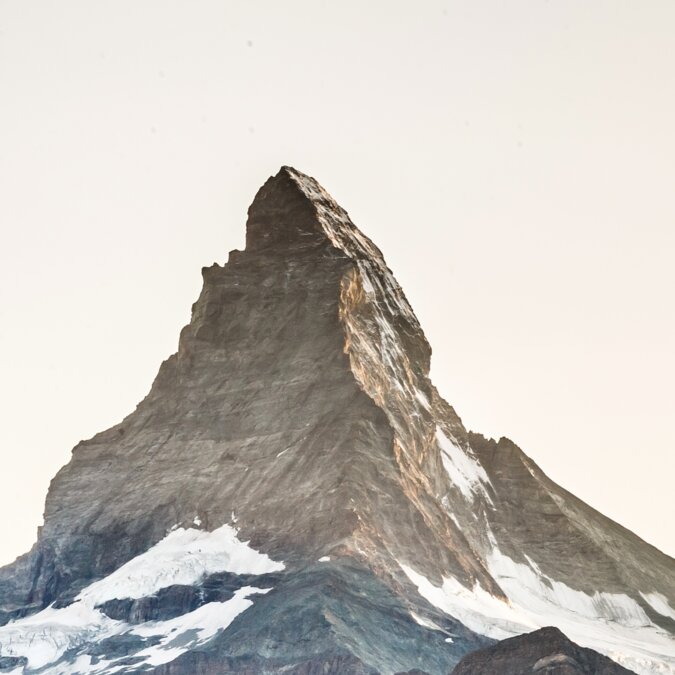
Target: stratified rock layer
[[299, 409]]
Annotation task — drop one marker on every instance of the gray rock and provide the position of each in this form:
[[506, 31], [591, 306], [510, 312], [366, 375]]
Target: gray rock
[[10, 663]]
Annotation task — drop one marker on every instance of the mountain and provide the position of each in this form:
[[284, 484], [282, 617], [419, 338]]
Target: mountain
[[294, 496]]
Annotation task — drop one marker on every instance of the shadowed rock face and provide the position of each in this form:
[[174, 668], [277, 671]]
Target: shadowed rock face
[[546, 651], [298, 409]]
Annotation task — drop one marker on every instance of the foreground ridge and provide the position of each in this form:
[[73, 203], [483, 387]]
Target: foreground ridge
[[545, 650], [294, 496]]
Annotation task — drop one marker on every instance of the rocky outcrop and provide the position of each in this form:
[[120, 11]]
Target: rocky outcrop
[[543, 652], [298, 410]]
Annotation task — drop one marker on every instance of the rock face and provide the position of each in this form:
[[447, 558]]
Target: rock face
[[545, 651], [381, 536]]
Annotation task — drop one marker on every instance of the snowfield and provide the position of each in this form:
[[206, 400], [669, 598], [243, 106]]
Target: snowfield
[[613, 624], [185, 557]]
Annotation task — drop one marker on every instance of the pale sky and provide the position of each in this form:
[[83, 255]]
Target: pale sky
[[515, 162]]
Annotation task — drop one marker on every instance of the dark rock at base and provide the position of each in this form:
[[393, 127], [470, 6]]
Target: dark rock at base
[[198, 663], [9, 663], [120, 645], [335, 617], [546, 651], [177, 600], [167, 604]]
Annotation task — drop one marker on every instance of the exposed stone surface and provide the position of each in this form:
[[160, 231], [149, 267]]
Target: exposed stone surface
[[11, 663], [545, 651], [299, 408]]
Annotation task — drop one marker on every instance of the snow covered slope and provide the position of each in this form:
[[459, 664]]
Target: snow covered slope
[[298, 416], [59, 640]]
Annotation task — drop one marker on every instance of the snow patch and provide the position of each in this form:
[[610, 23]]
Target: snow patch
[[366, 283], [324, 558], [44, 637], [183, 557], [528, 586], [426, 623], [201, 625], [465, 471], [422, 398], [477, 609]]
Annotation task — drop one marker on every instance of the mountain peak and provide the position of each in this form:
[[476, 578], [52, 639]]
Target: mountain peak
[[292, 209], [281, 213], [295, 450]]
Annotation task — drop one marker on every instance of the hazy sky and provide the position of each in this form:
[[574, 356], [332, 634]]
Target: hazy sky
[[515, 162]]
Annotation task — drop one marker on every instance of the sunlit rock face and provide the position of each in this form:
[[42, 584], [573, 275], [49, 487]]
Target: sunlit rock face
[[293, 495]]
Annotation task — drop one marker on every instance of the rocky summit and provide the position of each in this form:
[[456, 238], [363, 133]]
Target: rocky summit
[[294, 496]]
